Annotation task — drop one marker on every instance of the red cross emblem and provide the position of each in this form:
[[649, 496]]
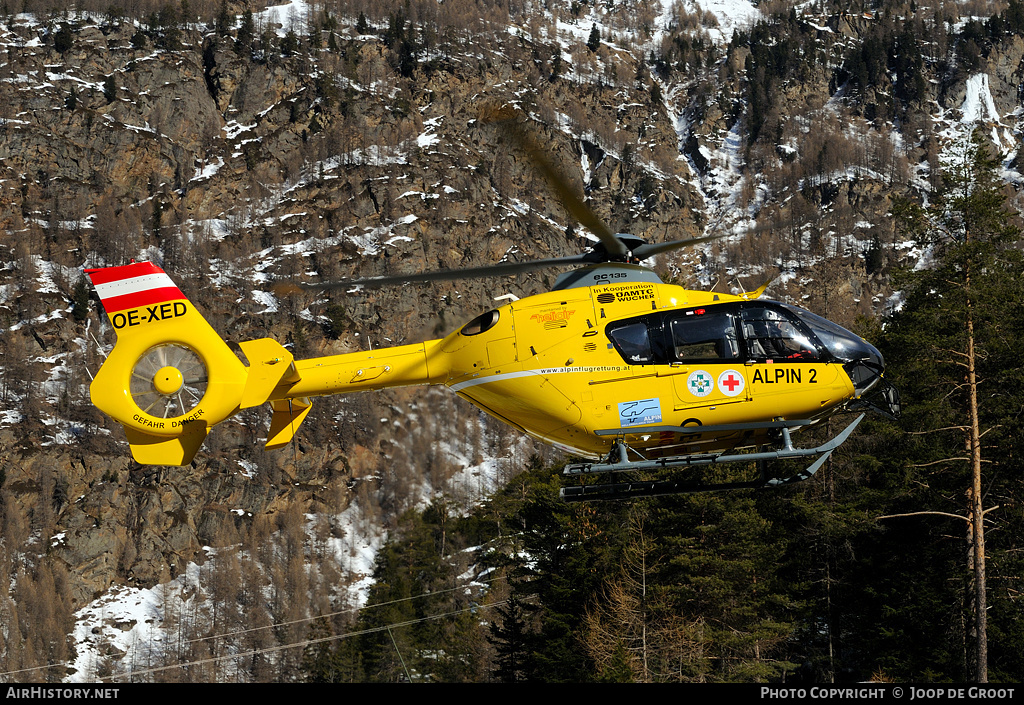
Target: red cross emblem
[[731, 383]]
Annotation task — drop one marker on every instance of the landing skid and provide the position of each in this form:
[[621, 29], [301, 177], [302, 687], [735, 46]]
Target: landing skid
[[632, 489]]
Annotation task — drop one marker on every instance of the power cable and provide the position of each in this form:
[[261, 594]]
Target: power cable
[[288, 623], [307, 642]]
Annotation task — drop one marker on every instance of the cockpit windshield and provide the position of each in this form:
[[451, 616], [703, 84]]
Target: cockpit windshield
[[843, 344]]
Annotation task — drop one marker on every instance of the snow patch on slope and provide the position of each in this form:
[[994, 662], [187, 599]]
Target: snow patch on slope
[[731, 15], [137, 628]]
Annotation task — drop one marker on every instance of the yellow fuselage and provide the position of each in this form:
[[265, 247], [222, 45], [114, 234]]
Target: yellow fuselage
[[547, 366]]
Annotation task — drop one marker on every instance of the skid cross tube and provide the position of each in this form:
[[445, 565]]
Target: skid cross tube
[[625, 490]]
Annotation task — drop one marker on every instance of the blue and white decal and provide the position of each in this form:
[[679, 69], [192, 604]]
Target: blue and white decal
[[639, 413]]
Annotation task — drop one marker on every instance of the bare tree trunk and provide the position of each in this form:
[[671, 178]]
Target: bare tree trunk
[[976, 514], [643, 606]]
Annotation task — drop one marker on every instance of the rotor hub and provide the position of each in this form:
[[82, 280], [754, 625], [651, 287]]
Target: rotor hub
[[168, 380]]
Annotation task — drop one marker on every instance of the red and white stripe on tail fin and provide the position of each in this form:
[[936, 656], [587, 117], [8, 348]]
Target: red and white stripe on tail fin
[[133, 286]]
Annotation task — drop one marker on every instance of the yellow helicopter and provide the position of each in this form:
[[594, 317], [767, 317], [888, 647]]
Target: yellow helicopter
[[612, 365]]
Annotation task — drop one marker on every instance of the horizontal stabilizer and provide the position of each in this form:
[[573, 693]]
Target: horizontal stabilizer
[[160, 450], [269, 365], [288, 416]]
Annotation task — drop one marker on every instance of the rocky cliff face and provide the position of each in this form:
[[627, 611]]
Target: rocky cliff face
[[230, 171]]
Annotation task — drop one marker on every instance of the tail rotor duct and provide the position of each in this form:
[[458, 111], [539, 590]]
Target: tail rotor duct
[[168, 381]]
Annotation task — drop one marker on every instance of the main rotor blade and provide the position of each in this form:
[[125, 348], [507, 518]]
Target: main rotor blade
[[493, 270], [655, 248], [507, 119]]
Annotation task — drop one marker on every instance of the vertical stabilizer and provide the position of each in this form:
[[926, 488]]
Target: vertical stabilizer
[[170, 377]]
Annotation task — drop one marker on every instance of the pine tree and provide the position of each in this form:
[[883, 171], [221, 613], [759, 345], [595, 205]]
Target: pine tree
[[720, 572], [246, 33], [224, 20], [953, 347], [572, 548], [110, 88], [318, 659], [80, 300], [508, 636], [290, 43], [63, 40]]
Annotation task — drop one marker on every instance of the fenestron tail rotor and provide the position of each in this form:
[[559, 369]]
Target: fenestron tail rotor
[[170, 377], [169, 380]]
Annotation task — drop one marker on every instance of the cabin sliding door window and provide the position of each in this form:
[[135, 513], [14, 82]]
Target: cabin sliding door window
[[708, 337], [633, 341]]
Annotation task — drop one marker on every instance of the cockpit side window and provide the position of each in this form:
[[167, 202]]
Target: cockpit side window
[[633, 341], [704, 336], [771, 335]]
